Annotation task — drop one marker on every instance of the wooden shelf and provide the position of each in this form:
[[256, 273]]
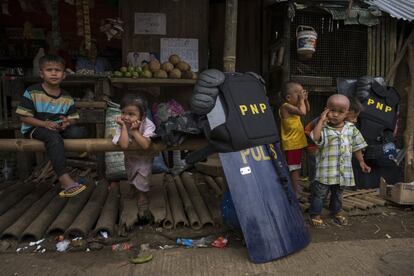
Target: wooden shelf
[[153, 82]]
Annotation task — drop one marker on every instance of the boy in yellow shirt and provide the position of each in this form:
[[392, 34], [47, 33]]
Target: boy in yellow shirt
[[293, 137]]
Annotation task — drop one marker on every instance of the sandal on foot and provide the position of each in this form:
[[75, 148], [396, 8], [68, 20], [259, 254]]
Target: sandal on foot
[[317, 222], [341, 220], [72, 190]]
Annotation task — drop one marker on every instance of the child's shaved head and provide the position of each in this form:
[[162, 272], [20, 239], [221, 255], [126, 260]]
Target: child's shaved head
[[338, 100]]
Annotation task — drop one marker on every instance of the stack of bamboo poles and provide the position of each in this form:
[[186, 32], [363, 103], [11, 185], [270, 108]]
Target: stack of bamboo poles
[[189, 199], [353, 202], [32, 208]]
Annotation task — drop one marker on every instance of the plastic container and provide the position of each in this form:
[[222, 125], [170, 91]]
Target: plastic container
[[306, 41]]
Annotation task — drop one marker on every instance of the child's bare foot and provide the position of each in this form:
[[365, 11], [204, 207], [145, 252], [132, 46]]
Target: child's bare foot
[[142, 199]]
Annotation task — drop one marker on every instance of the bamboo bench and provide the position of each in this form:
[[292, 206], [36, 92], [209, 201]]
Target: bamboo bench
[[95, 145]]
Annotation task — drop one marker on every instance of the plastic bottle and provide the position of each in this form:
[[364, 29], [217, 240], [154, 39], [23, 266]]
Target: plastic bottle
[[36, 68], [6, 171]]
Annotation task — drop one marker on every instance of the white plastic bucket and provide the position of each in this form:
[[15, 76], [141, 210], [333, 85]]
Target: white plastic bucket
[[306, 41]]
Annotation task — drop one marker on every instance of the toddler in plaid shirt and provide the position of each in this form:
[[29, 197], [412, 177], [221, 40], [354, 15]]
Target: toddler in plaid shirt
[[336, 140]]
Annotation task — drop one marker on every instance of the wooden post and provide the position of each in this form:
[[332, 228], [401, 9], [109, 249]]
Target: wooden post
[[230, 36], [409, 127], [287, 38]]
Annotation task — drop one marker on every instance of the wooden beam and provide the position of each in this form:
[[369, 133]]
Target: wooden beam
[[230, 36], [399, 58], [95, 145]]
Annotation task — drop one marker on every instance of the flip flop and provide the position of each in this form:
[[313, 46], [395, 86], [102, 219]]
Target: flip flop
[[73, 190], [341, 220], [317, 222]]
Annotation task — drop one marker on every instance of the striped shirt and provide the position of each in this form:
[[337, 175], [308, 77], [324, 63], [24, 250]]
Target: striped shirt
[[334, 158], [37, 103]]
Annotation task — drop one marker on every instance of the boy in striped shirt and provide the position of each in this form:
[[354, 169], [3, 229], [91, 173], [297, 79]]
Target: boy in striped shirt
[[48, 114]]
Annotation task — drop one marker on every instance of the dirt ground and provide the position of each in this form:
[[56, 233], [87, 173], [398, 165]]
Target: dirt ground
[[391, 225]]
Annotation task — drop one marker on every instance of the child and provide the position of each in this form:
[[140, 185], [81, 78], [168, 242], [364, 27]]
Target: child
[[48, 114], [292, 133], [355, 108], [336, 140], [134, 125]]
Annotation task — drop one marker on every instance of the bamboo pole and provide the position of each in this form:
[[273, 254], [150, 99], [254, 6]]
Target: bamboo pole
[[213, 185], [109, 214], [409, 125], [128, 213], [230, 38], [369, 54], [71, 211], [197, 199], [156, 198], [16, 229], [176, 205], [213, 204], [37, 228], [94, 145], [167, 223], [89, 214], [189, 208], [375, 200]]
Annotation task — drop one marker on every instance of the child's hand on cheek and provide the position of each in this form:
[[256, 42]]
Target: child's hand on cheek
[[119, 121], [135, 125]]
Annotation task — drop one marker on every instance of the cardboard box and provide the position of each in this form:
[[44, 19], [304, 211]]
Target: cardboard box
[[401, 193]]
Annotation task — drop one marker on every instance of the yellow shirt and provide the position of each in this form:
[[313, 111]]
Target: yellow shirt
[[292, 132]]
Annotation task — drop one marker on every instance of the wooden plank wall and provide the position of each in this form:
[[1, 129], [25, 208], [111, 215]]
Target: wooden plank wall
[[185, 19], [249, 35], [382, 45]]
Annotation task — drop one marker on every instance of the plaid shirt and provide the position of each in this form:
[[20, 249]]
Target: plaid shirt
[[334, 159]]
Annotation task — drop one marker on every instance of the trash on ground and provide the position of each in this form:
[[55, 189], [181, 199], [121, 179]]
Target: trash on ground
[[121, 246], [36, 242], [187, 243], [141, 259], [164, 247], [203, 242], [220, 242], [388, 236], [60, 238], [62, 246], [87, 250], [103, 234]]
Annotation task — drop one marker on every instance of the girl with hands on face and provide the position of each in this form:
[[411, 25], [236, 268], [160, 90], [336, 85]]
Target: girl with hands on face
[[135, 126]]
